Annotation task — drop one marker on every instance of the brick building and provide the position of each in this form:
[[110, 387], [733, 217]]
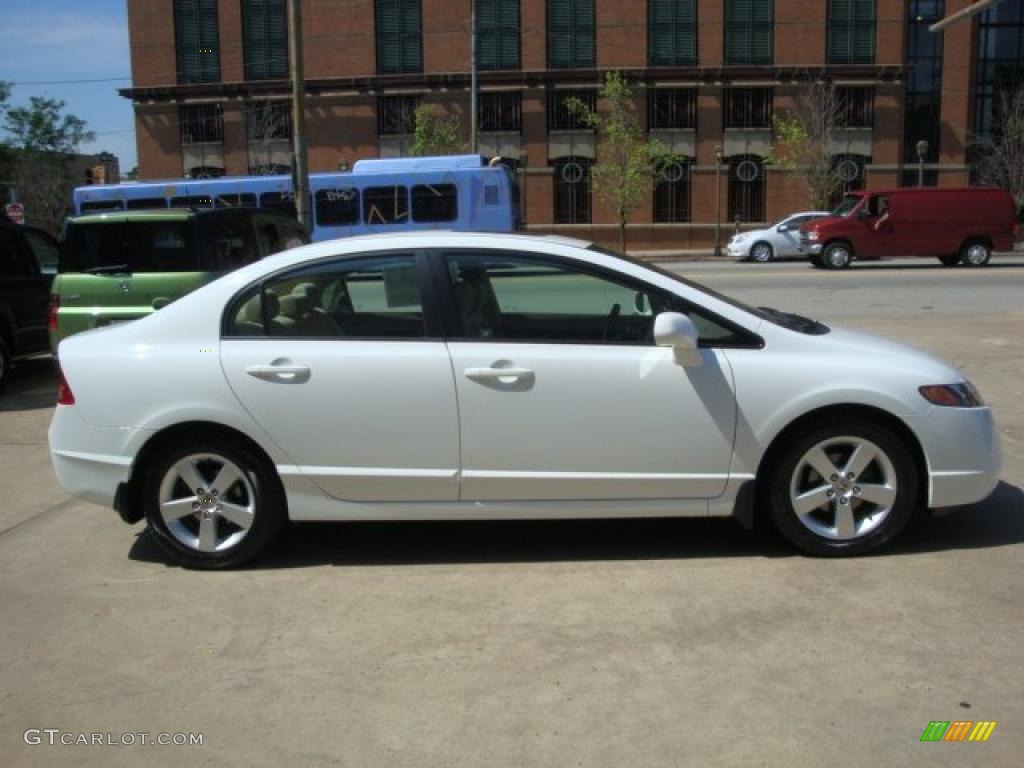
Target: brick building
[[210, 89]]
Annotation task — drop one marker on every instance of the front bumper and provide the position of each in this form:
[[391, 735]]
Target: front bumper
[[738, 250], [810, 248], [961, 446]]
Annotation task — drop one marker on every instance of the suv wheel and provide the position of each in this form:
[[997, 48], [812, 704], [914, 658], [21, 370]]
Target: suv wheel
[[843, 489], [976, 254], [212, 504], [836, 256]]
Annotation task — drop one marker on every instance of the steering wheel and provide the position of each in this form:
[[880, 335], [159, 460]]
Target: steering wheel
[[609, 322]]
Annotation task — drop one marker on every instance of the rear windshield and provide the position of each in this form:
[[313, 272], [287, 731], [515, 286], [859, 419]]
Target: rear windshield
[[135, 246]]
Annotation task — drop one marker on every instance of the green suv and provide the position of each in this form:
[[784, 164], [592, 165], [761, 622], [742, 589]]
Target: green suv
[[121, 265]]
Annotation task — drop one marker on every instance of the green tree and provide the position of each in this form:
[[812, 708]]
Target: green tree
[[801, 138], [41, 141], [436, 134], [628, 160]]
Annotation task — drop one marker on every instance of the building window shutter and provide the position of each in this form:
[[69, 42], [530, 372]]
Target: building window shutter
[[570, 34], [265, 43], [851, 32], [399, 36], [672, 32], [748, 31], [497, 24], [197, 40]]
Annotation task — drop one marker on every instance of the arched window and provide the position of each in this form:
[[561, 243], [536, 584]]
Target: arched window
[[572, 190], [672, 192], [746, 188]]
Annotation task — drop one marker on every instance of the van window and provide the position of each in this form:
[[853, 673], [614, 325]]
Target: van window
[[138, 246]]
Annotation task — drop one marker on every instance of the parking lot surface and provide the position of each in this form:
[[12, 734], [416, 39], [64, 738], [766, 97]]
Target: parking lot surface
[[605, 643]]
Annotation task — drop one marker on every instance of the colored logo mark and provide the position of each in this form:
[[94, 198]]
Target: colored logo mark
[[958, 730]]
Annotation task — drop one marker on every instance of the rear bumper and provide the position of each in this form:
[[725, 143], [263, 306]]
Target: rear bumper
[[91, 463]]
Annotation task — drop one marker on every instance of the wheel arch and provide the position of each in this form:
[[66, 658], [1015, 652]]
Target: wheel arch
[[983, 239], [776, 448], [128, 501], [840, 239]]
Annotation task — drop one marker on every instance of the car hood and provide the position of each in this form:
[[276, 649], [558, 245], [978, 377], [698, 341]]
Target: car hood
[[867, 349]]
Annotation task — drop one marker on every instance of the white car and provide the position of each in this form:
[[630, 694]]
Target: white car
[[777, 241], [450, 376]]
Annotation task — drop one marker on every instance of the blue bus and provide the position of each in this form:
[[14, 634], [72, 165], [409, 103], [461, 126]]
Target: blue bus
[[460, 192]]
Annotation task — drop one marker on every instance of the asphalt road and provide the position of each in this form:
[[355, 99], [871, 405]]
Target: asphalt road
[[634, 643]]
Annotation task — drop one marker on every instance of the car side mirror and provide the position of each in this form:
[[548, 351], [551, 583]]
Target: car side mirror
[[676, 330]]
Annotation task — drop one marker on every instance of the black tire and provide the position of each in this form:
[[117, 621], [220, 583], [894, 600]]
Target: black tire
[[5, 365], [836, 255], [975, 253], [786, 476], [761, 252], [257, 479], [950, 260]]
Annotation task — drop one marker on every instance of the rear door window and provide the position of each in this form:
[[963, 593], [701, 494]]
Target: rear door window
[[131, 246]]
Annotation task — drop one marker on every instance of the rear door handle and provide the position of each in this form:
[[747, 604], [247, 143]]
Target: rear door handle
[[491, 374], [286, 374]]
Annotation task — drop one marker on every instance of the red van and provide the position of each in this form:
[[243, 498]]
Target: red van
[[956, 225]]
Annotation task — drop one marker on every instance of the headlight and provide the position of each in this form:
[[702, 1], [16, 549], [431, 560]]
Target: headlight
[[738, 238], [959, 395], [812, 235]]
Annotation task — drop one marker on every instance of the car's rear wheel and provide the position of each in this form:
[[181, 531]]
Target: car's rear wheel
[[212, 504], [950, 260], [761, 252], [836, 256], [976, 253], [843, 489]]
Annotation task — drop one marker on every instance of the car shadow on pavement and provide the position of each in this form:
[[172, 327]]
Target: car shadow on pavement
[[996, 522], [32, 385]]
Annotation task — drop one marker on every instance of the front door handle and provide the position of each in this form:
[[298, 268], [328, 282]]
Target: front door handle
[[491, 374], [283, 373]]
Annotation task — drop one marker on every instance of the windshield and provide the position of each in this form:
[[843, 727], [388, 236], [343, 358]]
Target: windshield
[[785, 319], [848, 204]]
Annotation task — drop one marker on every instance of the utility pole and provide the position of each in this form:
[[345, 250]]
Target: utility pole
[[300, 162], [474, 86], [718, 200]]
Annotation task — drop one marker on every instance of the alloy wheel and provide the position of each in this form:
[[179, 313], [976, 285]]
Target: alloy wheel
[[207, 502], [843, 488], [977, 255], [761, 252]]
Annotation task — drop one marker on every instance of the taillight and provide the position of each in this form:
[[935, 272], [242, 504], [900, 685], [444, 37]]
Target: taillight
[[51, 317], [64, 394]]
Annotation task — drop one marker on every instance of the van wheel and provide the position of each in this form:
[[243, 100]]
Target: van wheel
[[975, 254], [836, 256], [950, 260]]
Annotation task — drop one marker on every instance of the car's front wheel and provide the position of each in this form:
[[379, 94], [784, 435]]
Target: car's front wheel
[[212, 504], [761, 252], [843, 488]]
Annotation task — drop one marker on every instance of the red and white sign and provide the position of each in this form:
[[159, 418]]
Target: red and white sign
[[16, 212]]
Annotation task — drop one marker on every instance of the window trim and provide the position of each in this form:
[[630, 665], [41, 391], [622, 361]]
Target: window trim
[[433, 325], [453, 330]]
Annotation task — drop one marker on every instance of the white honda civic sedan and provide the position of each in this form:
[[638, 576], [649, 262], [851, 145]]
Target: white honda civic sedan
[[432, 376], [777, 241]]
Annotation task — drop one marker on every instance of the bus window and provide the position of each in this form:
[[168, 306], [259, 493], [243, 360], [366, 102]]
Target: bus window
[[337, 207], [193, 201], [434, 202], [146, 202], [243, 200], [385, 205], [279, 201], [102, 205]]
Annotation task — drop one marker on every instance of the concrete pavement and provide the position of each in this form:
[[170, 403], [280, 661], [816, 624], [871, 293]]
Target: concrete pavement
[[610, 643]]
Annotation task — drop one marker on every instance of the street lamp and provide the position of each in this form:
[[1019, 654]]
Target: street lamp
[[718, 200], [922, 150]]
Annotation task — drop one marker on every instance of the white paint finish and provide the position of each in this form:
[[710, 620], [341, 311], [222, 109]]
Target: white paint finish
[[784, 243], [593, 415], [622, 416], [366, 405]]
